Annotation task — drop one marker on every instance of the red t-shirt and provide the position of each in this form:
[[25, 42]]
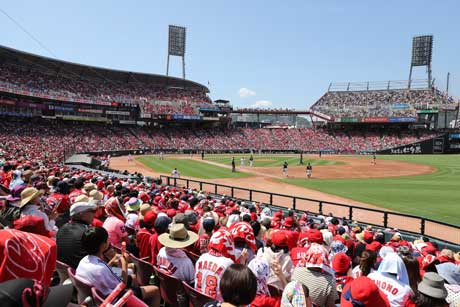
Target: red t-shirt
[[156, 246], [262, 300], [201, 245], [292, 236], [143, 242], [60, 200]]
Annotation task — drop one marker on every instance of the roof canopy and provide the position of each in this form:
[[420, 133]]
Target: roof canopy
[[74, 70]]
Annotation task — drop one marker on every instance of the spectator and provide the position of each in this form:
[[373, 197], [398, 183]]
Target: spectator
[[366, 264], [172, 258], [261, 269], [30, 205], [451, 275], [144, 234], [314, 273], [363, 292], [202, 244], [93, 269], [393, 274], [68, 238], [431, 291], [115, 222], [278, 252], [238, 287], [161, 226]]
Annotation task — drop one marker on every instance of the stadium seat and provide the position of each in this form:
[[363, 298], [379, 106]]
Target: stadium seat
[[62, 270], [196, 298], [84, 294], [132, 301], [194, 257], [143, 271], [171, 289]]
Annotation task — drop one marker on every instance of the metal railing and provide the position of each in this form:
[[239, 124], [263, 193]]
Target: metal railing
[[388, 219]]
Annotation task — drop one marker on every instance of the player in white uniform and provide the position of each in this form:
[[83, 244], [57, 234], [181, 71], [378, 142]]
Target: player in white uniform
[[130, 158], [175, 173], [211, 266], [171, 258]]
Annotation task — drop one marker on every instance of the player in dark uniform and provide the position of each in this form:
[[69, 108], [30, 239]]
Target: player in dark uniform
[[285, 168], [309, 170], [374, 158], [301, 157], [202, 155], [233, 165]]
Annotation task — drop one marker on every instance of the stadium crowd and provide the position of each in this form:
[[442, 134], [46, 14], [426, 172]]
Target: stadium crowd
[[73, 87], [49, 140], [381, 103], [97, 230]]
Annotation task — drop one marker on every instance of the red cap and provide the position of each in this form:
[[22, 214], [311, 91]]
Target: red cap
[[289, 222], [150, 217], [144, 197], [279, 238], [375, 246], [278, 214], [368, 236], [171, 213], [341, 263], [315, 236], [363, 290], [33, 224]]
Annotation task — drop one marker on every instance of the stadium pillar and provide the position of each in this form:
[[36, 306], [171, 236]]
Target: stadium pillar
[[422, 227], [250, 195], [385, 219], [294, 203]]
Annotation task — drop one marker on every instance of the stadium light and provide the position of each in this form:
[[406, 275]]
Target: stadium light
[[422, 51], [176, 45]]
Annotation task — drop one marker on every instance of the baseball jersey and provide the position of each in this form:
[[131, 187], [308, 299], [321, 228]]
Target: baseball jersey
[[397, 292], [177, 263], [208, 272], [116, 230]]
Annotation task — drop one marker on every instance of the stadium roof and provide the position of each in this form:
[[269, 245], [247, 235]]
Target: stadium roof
[[75, 70]]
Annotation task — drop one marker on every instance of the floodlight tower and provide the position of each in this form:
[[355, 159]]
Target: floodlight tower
[[176, 45], [422, 50]]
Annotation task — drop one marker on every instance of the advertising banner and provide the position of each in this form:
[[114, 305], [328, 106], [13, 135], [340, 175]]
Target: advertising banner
[[431, 146], [402, 119], [94, 111], [426, 111], [399, 106], [126, 113], [59, 108], [348, 120], [7, 102], [375, 120]]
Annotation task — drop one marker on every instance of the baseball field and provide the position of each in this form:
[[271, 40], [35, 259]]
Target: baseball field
[[424, 185]]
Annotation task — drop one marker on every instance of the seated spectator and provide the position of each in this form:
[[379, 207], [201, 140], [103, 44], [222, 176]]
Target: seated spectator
[[94, 270], [211, 266], [68, 238], [261, 269], [115, 222], [295, 294], [314, 272], [201, 245], [393, 280], [244, 239], [341, 264], [33, 224], [366, 264], [30, 205], [451, 275], [363, 292], [172, 258], [431, 291], [278, 252], [144, 234], [161, 226], [238, 287]]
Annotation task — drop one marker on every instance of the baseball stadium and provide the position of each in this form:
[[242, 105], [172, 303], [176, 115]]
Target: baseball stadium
[[368, 165]]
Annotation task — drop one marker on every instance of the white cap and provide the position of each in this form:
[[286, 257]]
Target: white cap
[[81, 207]]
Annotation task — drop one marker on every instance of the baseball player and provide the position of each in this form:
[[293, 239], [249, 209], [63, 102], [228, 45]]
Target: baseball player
[[175, 173], [309, 170], [130, 158], [251, 161], [285, 169], [233, 165], [374, 159], [161, 156]]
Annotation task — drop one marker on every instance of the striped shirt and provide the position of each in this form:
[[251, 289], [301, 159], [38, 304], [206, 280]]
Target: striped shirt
[[322, 286]]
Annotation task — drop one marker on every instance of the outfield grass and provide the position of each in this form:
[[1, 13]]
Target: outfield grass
[[189, 168], [435, 195], [269, 160]]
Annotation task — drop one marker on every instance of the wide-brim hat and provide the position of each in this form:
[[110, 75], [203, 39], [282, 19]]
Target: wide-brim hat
[[28, 195], [178, 237], [432, 285]]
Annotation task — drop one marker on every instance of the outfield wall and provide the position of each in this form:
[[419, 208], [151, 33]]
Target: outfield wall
[[443, 144]]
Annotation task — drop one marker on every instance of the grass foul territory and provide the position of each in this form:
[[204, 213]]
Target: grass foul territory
[[435, 195], [189, 168]]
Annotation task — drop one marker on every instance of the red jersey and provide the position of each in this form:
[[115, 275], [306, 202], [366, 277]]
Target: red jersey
[[143, 242], [298, 253]]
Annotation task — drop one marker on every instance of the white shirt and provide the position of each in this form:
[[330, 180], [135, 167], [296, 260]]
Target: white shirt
[[285, 262], [34, 210], [98, 274], [177, 263], [208, 272], [396, 291], [175, 173], [356, 272]]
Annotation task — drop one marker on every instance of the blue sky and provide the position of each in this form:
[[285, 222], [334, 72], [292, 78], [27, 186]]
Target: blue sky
[[285, 53]]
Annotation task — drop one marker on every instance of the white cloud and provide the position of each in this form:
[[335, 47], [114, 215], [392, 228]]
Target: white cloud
[[245, 92], [262, 104]]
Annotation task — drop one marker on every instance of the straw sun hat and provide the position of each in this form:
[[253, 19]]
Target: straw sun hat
[[178, 237]]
